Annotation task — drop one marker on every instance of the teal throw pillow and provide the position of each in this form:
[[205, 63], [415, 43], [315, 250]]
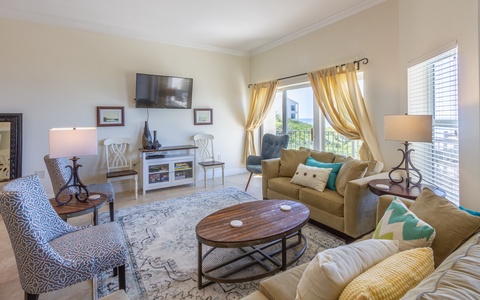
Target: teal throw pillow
[[333, 174], [472, 212], [401, 224]]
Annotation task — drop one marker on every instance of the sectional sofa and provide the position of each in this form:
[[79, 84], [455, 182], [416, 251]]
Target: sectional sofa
[[454, 252]]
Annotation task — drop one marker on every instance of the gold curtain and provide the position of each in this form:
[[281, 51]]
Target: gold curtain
[[263, 95], [338, 95]]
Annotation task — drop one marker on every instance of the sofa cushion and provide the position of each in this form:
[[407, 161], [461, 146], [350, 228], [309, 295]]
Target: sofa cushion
[[392, 277], [351, 169], [328, 200], [326, 157], [283, 186], [452, 225], [330, 271], [290, 159], [399, 223], [458, 277], [333, 174], [283, 285], [312, 177]]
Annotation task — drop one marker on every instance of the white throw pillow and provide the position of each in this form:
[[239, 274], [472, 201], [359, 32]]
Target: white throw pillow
[[330, 271], [312, 177]]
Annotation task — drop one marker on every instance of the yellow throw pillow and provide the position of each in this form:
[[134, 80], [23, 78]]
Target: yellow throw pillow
[[312, 177], [391, 278], [290, 159], [452, 225]]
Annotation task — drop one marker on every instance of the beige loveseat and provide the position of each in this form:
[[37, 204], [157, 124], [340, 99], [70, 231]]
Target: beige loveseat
[[350, 209], [455, 277]]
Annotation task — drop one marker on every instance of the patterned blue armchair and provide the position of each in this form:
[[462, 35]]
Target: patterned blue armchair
[[59, 174], [50, 253], [271, 145]]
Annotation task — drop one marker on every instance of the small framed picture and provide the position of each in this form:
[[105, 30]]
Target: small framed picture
[[110, 116], [203, 116]]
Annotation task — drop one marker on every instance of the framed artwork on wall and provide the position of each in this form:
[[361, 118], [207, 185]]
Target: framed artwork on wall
[[110, 116], [203, 116]]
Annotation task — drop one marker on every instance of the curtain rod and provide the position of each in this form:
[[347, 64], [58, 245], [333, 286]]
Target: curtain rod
[[357, 62]]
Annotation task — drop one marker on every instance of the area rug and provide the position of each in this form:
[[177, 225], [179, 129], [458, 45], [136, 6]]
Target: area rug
[[162, 246]]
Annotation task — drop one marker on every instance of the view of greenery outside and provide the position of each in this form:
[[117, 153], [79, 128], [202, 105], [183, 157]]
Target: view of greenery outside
[[301, 136]]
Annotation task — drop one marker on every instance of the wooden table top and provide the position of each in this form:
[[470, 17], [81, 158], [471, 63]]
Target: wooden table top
[[78, 207], [400, 189], [263, 221]]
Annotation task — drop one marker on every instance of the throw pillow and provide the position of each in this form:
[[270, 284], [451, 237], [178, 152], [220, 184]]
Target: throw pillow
[[351, 169], [392, 277], [322, 156], [452, 225], [399, 223], [311, 177], [472, 212], [330, 271], [290, 159], [333, 175]]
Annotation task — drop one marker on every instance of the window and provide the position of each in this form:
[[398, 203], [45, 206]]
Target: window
[[295, 112], [433, 89]]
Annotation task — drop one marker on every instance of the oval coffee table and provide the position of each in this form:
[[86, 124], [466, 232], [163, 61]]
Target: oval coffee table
[[269, 241]]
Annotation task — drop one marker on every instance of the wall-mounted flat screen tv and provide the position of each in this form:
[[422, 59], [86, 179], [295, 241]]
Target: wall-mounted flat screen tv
[[158, 91]]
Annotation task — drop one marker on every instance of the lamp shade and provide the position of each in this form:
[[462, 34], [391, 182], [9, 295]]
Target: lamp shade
[[69, 142], [411, 128]]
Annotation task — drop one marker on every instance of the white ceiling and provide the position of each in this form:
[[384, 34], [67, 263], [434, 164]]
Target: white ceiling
[[239, 27]]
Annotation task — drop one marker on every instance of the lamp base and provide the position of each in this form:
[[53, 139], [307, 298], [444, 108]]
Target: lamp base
[[74, 181], [408, 168]]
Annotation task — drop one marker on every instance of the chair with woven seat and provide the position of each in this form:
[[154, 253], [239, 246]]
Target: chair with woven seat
[[271, 145], [206, 156], [50, 253], [60, 175], [118, 153]]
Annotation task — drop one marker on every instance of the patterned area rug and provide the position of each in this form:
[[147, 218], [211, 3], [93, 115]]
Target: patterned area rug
[[163, 248]]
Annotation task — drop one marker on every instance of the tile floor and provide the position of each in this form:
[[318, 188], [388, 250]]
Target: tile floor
[[9, 283]]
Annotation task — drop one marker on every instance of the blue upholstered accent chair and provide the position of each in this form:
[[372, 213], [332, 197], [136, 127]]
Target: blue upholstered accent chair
[[60, 174], [50, 253], [271, 145]]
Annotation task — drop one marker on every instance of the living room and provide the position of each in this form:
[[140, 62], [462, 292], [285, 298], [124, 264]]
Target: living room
[[57, 76]]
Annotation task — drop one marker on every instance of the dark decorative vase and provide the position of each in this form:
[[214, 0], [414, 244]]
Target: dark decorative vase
[[147, 137], [156, 144]]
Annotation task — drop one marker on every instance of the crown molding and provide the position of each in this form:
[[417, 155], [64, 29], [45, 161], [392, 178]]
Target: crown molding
[[323, 23]]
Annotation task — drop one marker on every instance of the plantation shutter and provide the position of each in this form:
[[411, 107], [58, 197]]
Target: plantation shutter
[[433, 89]]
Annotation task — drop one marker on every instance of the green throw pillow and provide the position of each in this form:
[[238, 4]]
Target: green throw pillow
[[399, 223], [333, 174]]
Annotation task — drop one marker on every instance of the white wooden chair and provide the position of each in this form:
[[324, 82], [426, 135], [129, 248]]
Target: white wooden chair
[[118, 153], [206, 156]]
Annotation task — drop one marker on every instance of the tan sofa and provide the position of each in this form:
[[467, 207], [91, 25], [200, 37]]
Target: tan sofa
[[352, 213], [457, 277]]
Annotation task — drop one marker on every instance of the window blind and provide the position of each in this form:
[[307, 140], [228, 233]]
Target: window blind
[[433, 89]]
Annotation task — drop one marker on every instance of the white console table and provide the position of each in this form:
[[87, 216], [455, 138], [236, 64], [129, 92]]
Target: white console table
[[168, 166]]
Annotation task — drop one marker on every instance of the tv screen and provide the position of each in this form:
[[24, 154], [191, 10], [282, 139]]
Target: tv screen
[[158, 91]]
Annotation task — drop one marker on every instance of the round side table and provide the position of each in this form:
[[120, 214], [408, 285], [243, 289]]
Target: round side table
[[77, 208], [400, 189]]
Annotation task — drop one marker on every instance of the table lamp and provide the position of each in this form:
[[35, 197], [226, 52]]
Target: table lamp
[[407, 128], [73, 142]]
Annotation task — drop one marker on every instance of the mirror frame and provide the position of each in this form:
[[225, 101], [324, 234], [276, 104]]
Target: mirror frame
[[15, 120]]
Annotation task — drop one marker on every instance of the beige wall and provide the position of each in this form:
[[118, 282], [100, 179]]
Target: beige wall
[[56, 77], [390, 35]]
